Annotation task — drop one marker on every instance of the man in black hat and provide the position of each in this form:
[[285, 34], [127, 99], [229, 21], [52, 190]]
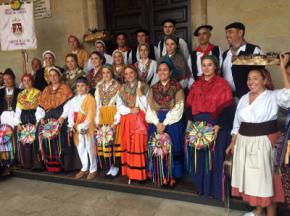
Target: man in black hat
[[237, 75], [121, 41], [169, 29], [203, 34], [142, 36]]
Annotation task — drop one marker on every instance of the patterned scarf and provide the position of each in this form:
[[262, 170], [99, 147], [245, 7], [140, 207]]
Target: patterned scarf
[[28, 99], [164, 96], [106, 94]]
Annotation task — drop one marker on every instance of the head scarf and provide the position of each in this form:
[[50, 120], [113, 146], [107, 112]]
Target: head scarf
[[56, 70], [101, 42], [170, 64], [212, 58], [118, 51], [48, 52], [72, 36]]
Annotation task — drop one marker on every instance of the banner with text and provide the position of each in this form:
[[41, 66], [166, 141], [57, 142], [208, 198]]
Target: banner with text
[[17, 30]]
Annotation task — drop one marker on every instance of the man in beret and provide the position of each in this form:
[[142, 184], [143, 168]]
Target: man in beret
[[121, 41], [142, 36], [203, 34], [237, 75], [169, 29], [75, 48]]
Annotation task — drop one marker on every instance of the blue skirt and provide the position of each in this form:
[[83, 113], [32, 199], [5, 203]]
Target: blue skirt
[[176, 133], [209, 182]]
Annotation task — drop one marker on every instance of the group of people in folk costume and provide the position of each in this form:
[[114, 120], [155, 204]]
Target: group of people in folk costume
[[154, 113]]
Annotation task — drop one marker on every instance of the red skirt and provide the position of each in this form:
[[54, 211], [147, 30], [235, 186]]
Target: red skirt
[[134, 146]]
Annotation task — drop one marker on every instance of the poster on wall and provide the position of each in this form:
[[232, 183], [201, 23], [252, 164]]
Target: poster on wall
[[17, 31]]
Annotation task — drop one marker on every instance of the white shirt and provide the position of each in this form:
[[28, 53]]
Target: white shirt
[[227, 65], [182, 45], [75, 106], [198, 61], [263, 108]]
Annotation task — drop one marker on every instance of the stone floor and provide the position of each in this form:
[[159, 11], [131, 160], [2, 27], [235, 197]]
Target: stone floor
[[21, 197]]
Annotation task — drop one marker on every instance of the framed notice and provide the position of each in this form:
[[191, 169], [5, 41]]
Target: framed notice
[[41, 9]]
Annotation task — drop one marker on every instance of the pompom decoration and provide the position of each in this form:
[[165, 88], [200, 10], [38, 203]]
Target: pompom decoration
[[49, 129], [26, 135], [6, 134], [7, 144], [49, 135], [160, 167], [199, 136], [104, 137]]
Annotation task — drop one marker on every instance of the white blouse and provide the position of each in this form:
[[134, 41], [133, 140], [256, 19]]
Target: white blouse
[[151, 71], [40, 112], [99, 103], [263, 108], [172, 116], [141, 102]]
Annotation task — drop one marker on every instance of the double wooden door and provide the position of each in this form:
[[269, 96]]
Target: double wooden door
[[130, 15]]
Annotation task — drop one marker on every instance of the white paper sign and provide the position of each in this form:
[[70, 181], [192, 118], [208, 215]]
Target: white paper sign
[[17, 30], [41, 9]]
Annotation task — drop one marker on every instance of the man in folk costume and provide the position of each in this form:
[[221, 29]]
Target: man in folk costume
[[237, 75], [142, 36], [169, 29], [81, 121], [121, 40], [75, 48], [205, 47]]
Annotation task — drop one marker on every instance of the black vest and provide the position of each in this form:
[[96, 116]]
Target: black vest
[[215, 52], [151, 53], [240, 72]]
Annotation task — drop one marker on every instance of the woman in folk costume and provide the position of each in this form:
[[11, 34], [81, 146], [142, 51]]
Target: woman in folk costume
[[81, 121], [208, 132], [94, 76], [132, 105], [165, 110], [254, 134], [106, 94], [183, 74], [146, 66], [285, 67], [8, 99], [73, 71], [53, 107], [27, 102], [42, 75], [118, 66]]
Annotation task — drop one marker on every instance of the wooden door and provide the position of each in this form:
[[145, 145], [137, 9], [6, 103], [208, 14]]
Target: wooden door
[[129, 15]]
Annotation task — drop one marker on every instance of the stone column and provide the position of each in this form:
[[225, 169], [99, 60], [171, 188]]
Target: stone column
[[198, 15]]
